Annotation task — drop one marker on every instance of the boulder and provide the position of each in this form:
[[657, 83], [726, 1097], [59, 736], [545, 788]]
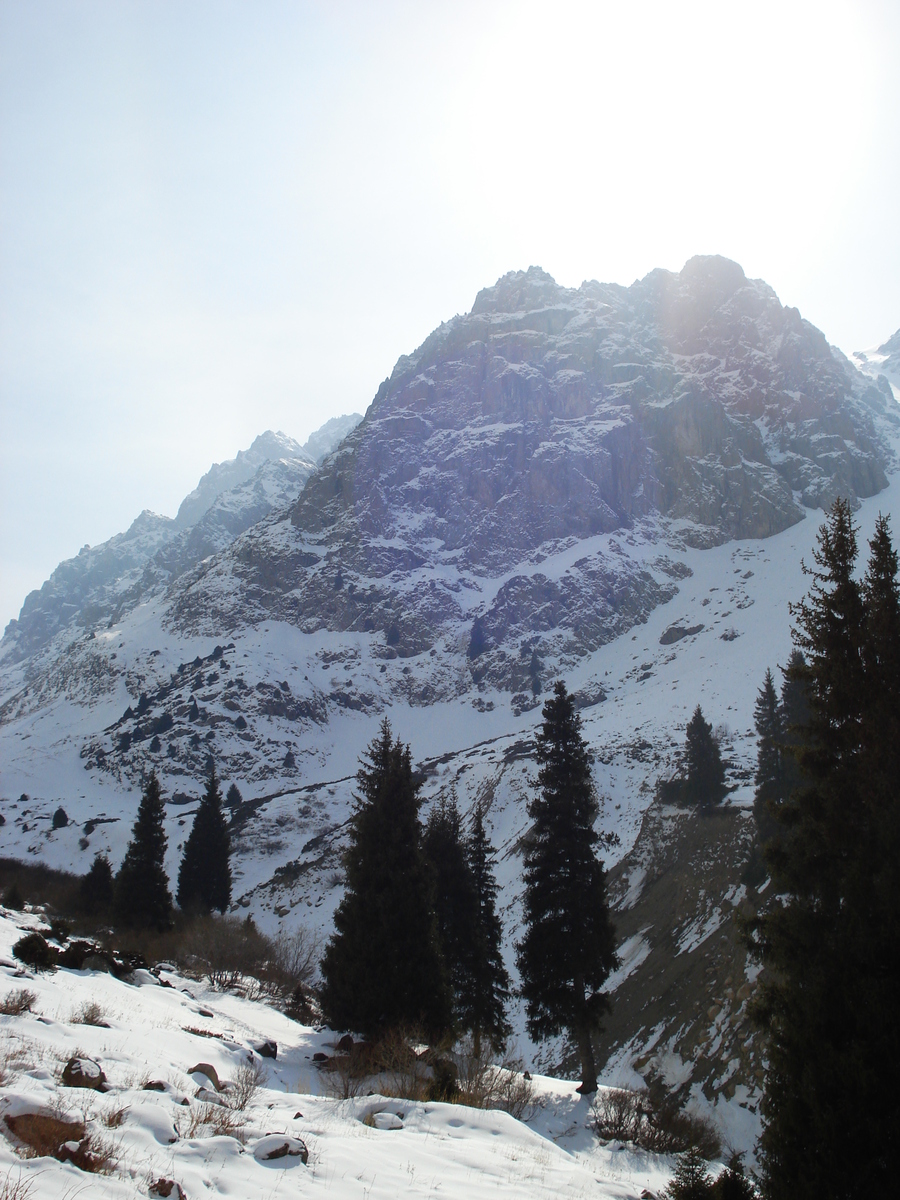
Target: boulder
[[209, 1071], [386, 1120], [266, 1049], [280, 1147], [169, 1189], [83, 1073]]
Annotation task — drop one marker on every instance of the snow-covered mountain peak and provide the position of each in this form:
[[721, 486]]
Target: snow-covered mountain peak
[[221, 477], [102, 582]]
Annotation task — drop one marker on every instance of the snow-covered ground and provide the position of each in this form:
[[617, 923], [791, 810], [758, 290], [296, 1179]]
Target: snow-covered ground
[[152, 1033]]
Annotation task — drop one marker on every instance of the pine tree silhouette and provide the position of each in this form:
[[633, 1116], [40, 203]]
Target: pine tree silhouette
[[832, 942], [382, 968], [704, 783], [142, 899], [455, 901], [204, 877], [484, 1012], [95, 892], [568, 948], [770, 778]]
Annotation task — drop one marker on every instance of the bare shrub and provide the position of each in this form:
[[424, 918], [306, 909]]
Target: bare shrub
[[293, 962], [474, 1072], [674, 1130], [90, 1013], [18, 1002], [483, 1084], [514, 1092], [248, 1079], [346, 1075], [619, 1114], [654, 1123], [402, 1073]]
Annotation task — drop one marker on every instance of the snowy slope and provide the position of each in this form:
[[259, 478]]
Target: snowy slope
[[156, 1033]]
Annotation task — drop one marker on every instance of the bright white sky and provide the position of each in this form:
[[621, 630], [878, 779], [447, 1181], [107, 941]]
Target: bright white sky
[[218, 218]]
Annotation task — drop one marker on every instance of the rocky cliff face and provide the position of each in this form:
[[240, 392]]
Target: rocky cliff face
[[104, 581], [545, 418]]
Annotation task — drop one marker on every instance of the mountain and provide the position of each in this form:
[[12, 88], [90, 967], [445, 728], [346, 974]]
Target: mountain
[[615, 485], [104, 581], [882, 363]]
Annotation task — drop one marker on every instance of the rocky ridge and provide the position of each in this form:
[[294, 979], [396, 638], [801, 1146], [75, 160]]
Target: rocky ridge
[[103, 582]]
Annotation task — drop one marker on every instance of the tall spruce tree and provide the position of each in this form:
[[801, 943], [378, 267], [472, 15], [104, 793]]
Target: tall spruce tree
[[141, 898], [832, 943], [382, 968], [568, 947], [95, 892], [704, 782], [485, 1015], [770, 781], [204, 877], [455, 901]]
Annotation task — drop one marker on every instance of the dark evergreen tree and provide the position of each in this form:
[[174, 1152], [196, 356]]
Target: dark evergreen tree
[[692, 1180], [382, 968], [568, 947], [485, 1015], [204, 877], [770, 781], [455, 901], [95, 892], [794, 719], [832, 944], [141, 895], [704, 782], [233, 797]]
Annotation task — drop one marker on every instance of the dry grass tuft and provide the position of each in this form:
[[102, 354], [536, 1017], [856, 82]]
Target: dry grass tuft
[[18, 1002], [90, 1013], [114, 1117], [15, 1189], [215, 1120]]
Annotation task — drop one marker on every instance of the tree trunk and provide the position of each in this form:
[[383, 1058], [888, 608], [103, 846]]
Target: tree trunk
[[588, 1083]]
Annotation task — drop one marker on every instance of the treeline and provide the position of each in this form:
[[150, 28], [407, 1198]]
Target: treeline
[[139, 895], [828, 811], [417, 939]]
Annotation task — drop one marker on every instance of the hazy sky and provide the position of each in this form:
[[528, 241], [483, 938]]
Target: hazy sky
[[221, 218]]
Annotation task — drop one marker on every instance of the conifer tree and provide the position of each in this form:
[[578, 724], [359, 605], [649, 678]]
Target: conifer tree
[[568, 947], [95, 892], [692, 1180], [794, 719], [382, 968], [833, 942], [769, 758], [141, 895], [455, 901], [704, 783], [489, 989], [204, 877]]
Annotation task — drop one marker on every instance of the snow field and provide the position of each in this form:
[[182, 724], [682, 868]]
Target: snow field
[[153, 1033]]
